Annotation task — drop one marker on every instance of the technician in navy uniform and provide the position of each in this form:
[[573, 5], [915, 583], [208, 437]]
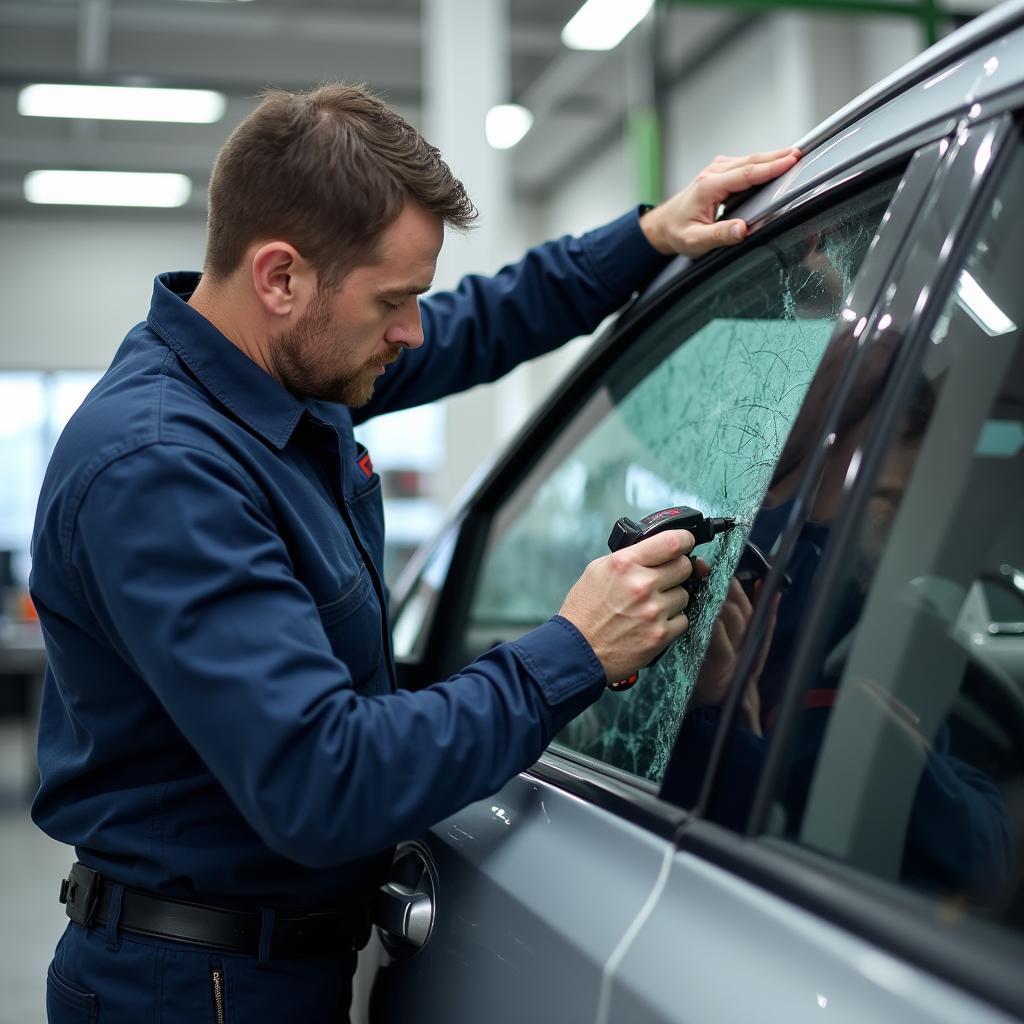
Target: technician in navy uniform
[[221, 738]]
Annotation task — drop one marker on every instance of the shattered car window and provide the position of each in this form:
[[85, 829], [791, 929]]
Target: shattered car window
[[696, 412]]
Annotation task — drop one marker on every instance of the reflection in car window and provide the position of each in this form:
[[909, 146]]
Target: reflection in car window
[[907, 756], [700, 424]]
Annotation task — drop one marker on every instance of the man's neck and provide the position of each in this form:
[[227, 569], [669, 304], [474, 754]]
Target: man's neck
[[226, 312]]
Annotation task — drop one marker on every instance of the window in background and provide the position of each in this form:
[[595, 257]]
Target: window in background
[[34, 408], [407, 448]]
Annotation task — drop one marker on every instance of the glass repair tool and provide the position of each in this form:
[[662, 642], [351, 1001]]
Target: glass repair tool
[[679, 517]]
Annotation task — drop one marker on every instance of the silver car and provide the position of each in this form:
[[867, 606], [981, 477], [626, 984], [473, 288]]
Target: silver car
[[820, 818]]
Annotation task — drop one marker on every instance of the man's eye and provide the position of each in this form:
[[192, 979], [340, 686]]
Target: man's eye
[[393, 306]]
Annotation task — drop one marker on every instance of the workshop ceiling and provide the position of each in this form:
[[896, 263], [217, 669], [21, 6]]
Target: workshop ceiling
[[241, 47], [578, 99]]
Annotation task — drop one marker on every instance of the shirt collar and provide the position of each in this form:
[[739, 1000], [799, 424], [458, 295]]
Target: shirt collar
[[224, 369]]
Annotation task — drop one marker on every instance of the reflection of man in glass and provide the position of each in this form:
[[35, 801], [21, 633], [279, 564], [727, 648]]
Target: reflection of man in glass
[[956, 836]]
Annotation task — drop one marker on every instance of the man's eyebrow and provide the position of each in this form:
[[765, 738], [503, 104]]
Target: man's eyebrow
[[407, 289]]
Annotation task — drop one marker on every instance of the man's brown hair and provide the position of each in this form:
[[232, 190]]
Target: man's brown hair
[[326, 170]]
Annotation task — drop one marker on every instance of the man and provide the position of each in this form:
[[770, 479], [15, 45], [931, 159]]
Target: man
[[220, 737]]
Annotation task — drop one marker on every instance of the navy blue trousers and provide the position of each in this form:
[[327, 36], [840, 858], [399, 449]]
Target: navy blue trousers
[[97, 978]]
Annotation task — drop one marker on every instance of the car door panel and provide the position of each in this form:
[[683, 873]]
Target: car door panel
[[536, 889], [717, 949]]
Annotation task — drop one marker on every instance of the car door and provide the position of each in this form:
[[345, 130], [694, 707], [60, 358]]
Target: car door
[[856, 855], [534, 895]]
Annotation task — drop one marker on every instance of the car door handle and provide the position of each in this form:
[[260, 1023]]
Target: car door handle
[[403, 913]]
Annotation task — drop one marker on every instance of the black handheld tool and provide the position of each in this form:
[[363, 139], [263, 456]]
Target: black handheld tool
[[679, 517]]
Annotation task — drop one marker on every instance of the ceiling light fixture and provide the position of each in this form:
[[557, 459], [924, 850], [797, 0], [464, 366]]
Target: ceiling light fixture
[[506, 124], [975, 301], [603, 24], [107, 188], [122, 103]]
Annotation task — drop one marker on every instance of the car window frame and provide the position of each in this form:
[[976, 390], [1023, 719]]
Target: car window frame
[[980, 958]]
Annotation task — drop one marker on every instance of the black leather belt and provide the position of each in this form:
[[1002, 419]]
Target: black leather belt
[[87, 897]]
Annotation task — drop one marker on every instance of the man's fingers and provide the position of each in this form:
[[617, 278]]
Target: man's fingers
[[734, 621], [662, 548], [739, 595], [719, 186], [726, 163], [702, 238], [676, 601], [670, 576], [719, 646]]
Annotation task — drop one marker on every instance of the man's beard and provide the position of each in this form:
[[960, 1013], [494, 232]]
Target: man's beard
[[302, 359]]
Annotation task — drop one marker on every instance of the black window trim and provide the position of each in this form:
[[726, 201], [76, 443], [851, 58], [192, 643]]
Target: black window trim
[[633, 799]]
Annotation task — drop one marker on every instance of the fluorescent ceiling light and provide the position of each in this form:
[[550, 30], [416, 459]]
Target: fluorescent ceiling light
[[107, 188], [974, 300], [121, 103], [506, 124], [603, 24]]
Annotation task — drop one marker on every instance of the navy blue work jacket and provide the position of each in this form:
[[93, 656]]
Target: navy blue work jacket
[[219, 720]]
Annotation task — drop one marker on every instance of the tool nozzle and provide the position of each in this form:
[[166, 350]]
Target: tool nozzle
[[721, 524]]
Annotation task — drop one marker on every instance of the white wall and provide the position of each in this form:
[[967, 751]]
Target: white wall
[[73, 284]]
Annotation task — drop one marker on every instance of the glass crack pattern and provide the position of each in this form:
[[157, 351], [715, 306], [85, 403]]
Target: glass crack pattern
[[700, 424]]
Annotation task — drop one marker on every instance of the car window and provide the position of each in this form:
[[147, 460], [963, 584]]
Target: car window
[[906, 759], [695, 412]]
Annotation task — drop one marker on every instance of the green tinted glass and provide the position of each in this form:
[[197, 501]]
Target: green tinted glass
[[695, 412]]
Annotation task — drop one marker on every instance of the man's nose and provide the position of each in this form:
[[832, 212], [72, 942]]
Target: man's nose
[[408, 330]]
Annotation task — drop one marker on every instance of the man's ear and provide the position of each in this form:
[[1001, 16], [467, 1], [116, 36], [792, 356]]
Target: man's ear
[[282, 280]]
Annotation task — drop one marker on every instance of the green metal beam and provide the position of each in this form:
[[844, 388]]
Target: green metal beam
[[930, 18], [643, 125], [644, 130]]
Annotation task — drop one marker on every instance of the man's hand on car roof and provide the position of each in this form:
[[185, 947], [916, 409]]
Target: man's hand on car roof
[[686, 224]]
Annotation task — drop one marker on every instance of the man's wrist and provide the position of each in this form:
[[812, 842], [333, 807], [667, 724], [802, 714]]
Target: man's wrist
[[653, 226]]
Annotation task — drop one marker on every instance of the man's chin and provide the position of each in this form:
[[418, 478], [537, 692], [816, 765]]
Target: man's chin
[[351, 391], [355, 393]]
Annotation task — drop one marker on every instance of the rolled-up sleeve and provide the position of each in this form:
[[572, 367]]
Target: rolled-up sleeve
[[175, 551]]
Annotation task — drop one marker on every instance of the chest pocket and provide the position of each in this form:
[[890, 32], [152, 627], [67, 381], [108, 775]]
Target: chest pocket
[[352, 622]]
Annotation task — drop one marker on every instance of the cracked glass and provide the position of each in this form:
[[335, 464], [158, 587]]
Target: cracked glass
[[695, 412]]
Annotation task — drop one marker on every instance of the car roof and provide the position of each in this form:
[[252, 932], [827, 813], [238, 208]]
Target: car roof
[[951, 79]]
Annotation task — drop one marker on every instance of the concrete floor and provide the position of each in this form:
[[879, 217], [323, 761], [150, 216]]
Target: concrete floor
[[31, 867]]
